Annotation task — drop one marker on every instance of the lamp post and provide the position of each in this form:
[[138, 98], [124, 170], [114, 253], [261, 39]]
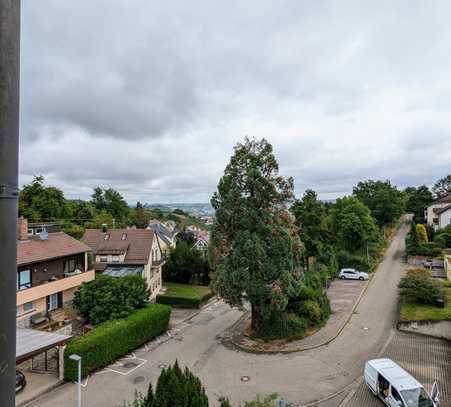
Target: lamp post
[[9, 138], [77, 359]]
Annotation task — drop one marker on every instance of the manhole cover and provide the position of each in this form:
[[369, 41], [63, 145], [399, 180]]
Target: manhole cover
[[129, 365], [245, 378], [139, 379], [162, 365]]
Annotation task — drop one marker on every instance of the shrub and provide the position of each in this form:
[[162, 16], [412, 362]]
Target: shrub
[[295, 326], [420, 288], [175, 388], [107, 297], [113, 339], [421, 233], [185, 296]]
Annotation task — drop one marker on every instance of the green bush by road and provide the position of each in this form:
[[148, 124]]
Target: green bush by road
[[113, 339], [185, 295]]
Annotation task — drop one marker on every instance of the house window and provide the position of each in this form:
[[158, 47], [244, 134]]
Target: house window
[[115, 259], [53, 301], [28, 306], [23, 279], [103, 259]]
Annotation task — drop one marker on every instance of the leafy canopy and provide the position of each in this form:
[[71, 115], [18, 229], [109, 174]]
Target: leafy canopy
[[254, 242], [442, 187], [384, 200], [107, 297], [352, 224]]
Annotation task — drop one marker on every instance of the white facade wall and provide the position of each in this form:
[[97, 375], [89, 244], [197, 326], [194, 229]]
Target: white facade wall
[[444, 219]]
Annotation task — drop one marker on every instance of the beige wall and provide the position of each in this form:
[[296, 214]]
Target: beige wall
[[43, 290], [447, 261], [153, 274]]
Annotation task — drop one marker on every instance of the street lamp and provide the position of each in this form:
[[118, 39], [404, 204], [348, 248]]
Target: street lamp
[[77, 359]]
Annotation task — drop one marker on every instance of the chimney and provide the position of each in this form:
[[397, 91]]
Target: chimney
[[22, 228]]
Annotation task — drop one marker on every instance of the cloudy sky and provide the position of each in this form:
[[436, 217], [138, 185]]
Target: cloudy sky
[[149, 97]]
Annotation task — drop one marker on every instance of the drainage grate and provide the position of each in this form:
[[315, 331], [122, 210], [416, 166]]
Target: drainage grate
[[245, 379], [129, 365], [162, 365], [138, 379]]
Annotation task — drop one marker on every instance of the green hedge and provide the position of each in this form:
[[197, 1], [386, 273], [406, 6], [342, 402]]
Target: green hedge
[[184, 295], [183, 302], [113, 339]]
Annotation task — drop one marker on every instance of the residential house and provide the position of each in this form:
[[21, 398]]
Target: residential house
[[202, 240], [165, 238], [438, 214], [170, 225], [125, 252], [50, 267]]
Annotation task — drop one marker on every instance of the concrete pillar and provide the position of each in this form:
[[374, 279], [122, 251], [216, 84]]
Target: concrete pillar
[[9, 137], [61, 362]]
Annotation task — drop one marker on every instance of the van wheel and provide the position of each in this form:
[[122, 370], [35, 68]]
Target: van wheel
[[361, 278], [342, 277]]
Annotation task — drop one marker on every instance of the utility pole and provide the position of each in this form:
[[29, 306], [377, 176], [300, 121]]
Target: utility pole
[[9, 137]]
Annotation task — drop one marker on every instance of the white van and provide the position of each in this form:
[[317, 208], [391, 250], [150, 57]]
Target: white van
[[397, 388]]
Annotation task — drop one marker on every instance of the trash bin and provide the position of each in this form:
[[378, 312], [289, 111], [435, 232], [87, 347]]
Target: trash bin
[[440, 303]]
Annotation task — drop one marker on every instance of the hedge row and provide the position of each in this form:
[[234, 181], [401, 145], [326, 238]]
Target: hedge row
[[113, 339], [183, 302]]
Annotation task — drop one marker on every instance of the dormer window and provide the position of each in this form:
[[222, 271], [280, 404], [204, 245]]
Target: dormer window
[[115, 259], [124, 236]]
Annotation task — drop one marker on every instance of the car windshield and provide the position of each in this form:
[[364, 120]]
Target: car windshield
[[417, 398]]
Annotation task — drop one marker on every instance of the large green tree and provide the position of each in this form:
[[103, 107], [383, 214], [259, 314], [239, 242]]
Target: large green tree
[[111, 201], [417, 200], [310, 215], [38, 202], [442, 187], [352, 224], [383, 199], [254, 244]]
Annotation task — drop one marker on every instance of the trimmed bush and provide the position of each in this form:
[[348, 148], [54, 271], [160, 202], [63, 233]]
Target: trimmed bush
[[420, 288], [185, 296], [113, 339]]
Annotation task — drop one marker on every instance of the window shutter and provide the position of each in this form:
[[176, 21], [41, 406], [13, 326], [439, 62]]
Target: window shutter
[[48, 302]]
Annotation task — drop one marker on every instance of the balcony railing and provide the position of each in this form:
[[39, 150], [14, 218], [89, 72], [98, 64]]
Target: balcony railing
[[53, 286]]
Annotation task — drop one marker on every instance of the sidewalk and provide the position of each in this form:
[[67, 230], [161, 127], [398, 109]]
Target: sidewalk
[[344, 296]]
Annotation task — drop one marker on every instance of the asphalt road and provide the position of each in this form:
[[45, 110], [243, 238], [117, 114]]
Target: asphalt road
[[327, 372]]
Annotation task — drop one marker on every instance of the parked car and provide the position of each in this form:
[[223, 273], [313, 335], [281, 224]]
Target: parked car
[[396, 387], [20, 381], [353, 274]]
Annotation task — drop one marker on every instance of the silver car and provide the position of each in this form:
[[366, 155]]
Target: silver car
[[353, 274]]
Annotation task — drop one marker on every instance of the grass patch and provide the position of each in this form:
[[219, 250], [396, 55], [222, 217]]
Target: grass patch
[[185, 295], [420, 312]]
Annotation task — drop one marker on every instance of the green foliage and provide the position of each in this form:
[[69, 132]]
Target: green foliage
[[310, 215], [225, 403], [416, 247], [417, 200], [268, 401], [111, 201], [108, 297], [352, 224], [185, 296], [254, 245], [139, 216], [186, 265], [76, 231], [113, 339], [442, 187], [442, 237], [420, 288], [38, 202], [384, 200], [177, 388], [100, 218]]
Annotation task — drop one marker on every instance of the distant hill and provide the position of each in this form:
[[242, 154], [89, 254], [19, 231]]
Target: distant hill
[[198, 209]]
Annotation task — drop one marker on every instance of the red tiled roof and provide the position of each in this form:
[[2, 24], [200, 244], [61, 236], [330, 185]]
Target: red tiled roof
[[137, 243], [58, 244]]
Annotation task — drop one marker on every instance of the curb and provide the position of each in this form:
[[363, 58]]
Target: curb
[[40, 394], [304, 348]]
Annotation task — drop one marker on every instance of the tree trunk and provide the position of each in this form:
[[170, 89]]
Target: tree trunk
[[255, 318]]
